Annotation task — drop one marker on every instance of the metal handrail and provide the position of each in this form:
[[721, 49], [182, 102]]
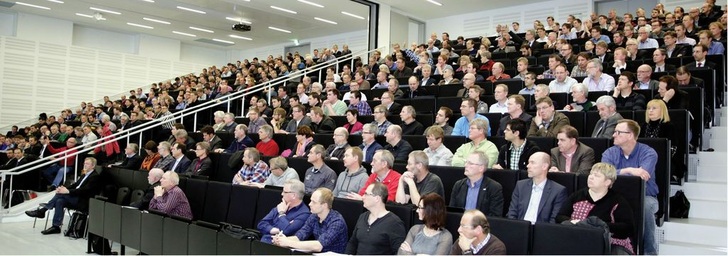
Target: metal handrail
[[124, 134]]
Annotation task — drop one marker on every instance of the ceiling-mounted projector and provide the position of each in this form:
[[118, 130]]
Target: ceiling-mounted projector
[[241, 27]]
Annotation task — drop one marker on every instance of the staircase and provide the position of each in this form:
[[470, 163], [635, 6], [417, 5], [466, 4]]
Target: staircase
[[705, 231]]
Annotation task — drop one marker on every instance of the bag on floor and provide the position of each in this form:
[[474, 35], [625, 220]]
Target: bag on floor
[[679, 205], [239, 232], [99, 245], [77, 225]]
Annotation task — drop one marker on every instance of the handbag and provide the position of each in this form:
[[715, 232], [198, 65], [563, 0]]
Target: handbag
[[239, 232], [679, 205], [77, 225]]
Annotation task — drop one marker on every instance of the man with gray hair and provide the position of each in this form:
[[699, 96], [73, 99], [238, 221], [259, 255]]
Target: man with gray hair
[[132, 160], [155, 174], [229, 122], [320, 174], [410, 126], [579, 94], [597, 81], [369, 145], [608, 117], [491, 200], [288, 216], [418, 181]]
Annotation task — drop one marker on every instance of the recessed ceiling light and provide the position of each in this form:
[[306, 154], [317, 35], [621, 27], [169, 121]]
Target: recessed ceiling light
[[311, 3], [96, 16], [190, 10], [223, 41], [435, 2], [56, 1], [202, 29], [32, 5], [148, 1], [84, 15], [283, 9], [239, 20], [184, 34], [353, 15], [241, 37], [104, 10], [280, 29], [325, 20], [156, 20], [139, 25]]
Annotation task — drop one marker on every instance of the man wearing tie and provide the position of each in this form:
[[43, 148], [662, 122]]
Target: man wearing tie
[[608, 117], [75, 196]]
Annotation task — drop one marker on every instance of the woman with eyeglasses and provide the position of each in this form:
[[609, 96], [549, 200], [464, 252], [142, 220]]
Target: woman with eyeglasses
[[430, 238]]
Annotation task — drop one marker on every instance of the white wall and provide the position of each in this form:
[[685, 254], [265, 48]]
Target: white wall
[[686, 4], [484, 22], [104, 40], [160, 47], [399, 29], [7, 24], [357, 41], [44, 29], [204, 55]]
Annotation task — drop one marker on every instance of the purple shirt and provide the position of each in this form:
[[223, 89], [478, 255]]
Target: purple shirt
[[173, 202]]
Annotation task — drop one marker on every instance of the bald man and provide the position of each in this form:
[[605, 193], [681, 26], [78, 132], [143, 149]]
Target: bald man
[[537, 199]]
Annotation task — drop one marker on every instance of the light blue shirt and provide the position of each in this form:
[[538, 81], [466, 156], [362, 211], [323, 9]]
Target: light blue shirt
[[462, 126], [471, 200]]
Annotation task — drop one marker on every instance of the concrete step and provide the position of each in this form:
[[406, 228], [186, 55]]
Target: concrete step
[[708, 209], [702, 190], [711, 159], [17, 213], [696, 231], [682, 248], [719, 138]]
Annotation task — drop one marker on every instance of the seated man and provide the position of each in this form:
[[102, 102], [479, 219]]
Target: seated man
[[254, 170], [537, 199], [478, 142], [279, 173], [75, 196], [169, 198], [336, 151], [462, 125], [167, 160], [514, 154], [624, 96], [154, 176], [353, 178], [383, 173], [491, 202], [241, 142], [326, 226], [571, 155], [410, 126], [608, 117], [400, 148], [516, 110], [321, 123], [547, 121], [417, 181], [377, 231], [202, 164], [208, 135], [181, 162], [320, 174], [475, 237], [132, 160], [56, 173], [369, 145], [288, 216], [437, 153]]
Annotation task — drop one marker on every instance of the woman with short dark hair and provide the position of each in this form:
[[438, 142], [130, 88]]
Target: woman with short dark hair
[[430, 238]]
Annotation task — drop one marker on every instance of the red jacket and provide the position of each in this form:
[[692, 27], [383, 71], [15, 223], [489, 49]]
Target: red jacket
[[391, 181]]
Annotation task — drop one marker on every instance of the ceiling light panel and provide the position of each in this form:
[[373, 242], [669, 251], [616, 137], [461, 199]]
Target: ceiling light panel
[[241, 37], [190, 10], [139, 25], [311, 3], [283, 9], [156, 20], [352, 15], [184, 34], [280, 30], [239, 20], [435, 2], [325, 20], [202, 29], [56, 1], [33, 5], [104, 10], [223, 41]]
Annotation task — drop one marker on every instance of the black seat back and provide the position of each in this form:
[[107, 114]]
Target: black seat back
[[515, 234], [216, 198]]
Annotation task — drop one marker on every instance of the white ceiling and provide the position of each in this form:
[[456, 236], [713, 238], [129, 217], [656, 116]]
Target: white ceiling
[[259, 13]]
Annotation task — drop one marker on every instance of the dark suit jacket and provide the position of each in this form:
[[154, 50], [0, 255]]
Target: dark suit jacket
[[679, 50], [215, 143], [395, 108], [428, 82], [131, 163], [490, 196], [90, 187], [535, 46], [554, 194], [370, 152], [326, 125], [33, 151], [608, 126], [693, 65], [182, 166], [416, 93], [668, 68], [143, 203], [583, 159], [204, 169], [504, 155], [608, 57]]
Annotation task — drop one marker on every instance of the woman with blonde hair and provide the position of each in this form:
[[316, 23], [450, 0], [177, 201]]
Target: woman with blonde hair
[[657, 125]]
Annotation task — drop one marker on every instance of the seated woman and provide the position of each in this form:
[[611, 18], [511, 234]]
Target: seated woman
[[430, 238], [599, 200], [353, 126], [304, 142], [169, 198], [152, 156], [671, 94], [579, 93], [657, 125]]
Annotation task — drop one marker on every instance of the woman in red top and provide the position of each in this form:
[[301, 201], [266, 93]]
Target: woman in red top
[[152, 156], [352, 125]]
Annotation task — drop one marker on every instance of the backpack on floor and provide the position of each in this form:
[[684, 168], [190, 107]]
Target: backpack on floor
[[99, 245], [77, 225]]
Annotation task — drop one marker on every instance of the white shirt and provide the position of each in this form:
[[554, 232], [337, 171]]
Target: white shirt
[[533, 203], [347, 96], [686, 40], [303, 98], [498, 108], [556, 86]]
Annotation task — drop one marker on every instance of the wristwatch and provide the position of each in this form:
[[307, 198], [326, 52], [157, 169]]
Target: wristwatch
[[468, 252]]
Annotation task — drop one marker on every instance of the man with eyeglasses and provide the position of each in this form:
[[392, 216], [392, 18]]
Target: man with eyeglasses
[[475, 237], [380, 119], [418, 181], [288, 216], [377, 231], [644, 40], [299, 119], [202, 164], [336, 150], [369, 146], [478, 142], [608, 117], [547, 121], [644, 78], [596, 80], [466, 193], [637, 159], [325, 226], [167, 160], [567, 54], [562, 82]]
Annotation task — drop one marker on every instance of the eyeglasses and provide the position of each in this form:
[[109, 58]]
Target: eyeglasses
[[369, 194], [620, 132], [287, 192], [471, 163]]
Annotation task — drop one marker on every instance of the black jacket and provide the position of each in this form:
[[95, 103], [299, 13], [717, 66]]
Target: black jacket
[[490, 197], [504, 155], [90, 188], [131, 163]]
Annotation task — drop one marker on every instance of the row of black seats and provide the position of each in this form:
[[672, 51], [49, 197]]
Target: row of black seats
[[215, 202]]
